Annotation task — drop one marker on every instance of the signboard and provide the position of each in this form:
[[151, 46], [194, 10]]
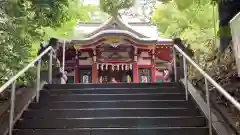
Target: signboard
[[235, 30]]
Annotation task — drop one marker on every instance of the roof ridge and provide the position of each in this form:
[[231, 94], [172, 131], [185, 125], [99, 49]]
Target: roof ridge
[[118, 20]]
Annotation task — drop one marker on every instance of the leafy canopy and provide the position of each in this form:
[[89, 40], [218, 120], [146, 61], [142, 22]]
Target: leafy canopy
[[112, 7], [25, 23], [78, 12], [183, 4], [195, 24]]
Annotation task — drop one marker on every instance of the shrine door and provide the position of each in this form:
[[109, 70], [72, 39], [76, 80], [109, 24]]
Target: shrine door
[[144, 72], [87, 72]]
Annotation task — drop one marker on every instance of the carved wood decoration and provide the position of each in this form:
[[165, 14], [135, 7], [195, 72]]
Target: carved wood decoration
[[120, 52]]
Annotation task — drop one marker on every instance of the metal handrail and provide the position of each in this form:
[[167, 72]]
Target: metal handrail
[[214, 83], [12, 81], [207, 79]]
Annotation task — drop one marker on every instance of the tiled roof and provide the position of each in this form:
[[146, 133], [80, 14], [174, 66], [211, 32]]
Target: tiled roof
[[142, 30]]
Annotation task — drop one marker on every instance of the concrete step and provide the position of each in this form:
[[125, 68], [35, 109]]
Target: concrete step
[[115, 90], [111, 112], [113, 104], [105, 97], [112, 122], [112, 85], [112, 109], [117, 97], [117, 131]]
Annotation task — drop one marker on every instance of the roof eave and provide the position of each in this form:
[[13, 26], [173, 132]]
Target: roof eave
[[122, 33], [119, 21]]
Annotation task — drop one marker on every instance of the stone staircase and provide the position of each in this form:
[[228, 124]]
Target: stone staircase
[[112, 109]]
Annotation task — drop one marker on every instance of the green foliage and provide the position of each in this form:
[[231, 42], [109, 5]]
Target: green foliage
[[77, 13], [194, 24], [25, 23], [184, 4], [112, 7]]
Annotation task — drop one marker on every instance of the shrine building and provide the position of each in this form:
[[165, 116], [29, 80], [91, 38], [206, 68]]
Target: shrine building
[[116, 49]]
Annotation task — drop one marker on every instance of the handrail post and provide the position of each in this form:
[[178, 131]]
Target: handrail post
[[185, 76], [38, 79], [11, 118], [175, 64], [209, 107], [63, 56], [50, 67], [63, 60]]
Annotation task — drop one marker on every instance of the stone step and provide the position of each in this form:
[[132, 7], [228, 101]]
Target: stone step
[[111, 112], [106, 97], [112, 85], [112, 122], [116, 90], [116, 131], [113, 104]]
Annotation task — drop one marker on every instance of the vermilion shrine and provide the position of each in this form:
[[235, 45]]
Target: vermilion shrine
[[116, 49]]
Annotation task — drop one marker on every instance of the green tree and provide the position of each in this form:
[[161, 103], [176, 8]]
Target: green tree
[[24, 24], [78, 12], [184, 4], [195, 25], [21, 25], [112, 7]]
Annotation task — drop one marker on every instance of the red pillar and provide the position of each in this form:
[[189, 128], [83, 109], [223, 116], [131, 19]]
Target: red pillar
[[153, 74], [94, 73], [76, 71], [153, 78], [76, 74], [135, 73]]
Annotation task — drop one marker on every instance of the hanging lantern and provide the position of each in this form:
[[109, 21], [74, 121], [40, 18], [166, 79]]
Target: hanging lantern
[[126, 67], [97, 66], [106, 66], [102, 66], [117, 66], [113, 67], [122, 67], [153, 56], [94, 59], [135, 50], [135, 58], [130, 66]]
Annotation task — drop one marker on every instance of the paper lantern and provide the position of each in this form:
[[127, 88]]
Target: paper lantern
[[97, 66], [130, 66], [153, 56], [117, 67], [94, 59], [135, 58], [113, 67], [106, 66]]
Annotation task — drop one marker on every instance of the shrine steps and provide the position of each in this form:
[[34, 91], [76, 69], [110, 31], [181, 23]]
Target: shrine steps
[[112, 109], [112, 85]]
